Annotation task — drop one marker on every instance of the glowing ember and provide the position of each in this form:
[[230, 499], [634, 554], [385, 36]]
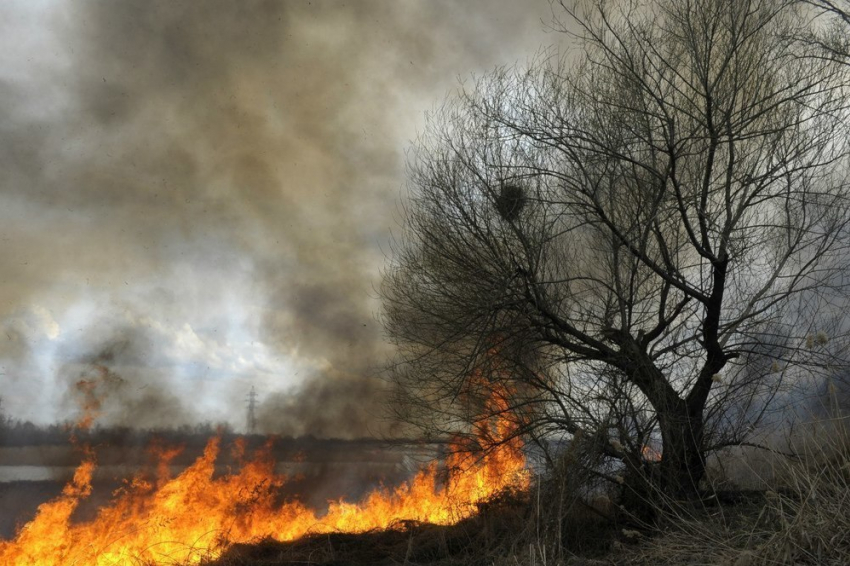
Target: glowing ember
[[650, 454], [196, 515]]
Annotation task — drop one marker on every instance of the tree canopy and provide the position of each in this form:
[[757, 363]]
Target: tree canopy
[[641, 239]]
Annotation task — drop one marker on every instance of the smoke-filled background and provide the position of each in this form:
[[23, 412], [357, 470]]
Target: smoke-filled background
[[195, 198]]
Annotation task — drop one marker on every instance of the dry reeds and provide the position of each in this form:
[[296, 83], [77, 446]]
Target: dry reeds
[[803, 519]]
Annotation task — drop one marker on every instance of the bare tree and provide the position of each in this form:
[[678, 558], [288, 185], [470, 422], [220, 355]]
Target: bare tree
[[829, 32], [646, 237], [839, 8]]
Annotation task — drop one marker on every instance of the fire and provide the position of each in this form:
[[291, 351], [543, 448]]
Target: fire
[[197, 515], [650, 454]]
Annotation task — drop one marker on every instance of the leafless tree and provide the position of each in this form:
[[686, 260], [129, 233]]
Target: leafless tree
[[839, 8], [831, 29], [644, 238]]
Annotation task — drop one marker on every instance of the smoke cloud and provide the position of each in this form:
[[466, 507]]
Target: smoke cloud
[[195, 197]]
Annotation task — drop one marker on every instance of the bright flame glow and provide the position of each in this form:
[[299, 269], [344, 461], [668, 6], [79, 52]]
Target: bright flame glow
[[196, 515], [650, 454]]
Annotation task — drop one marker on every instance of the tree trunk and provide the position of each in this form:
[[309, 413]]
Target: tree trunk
[[682, 460], [682, 463]]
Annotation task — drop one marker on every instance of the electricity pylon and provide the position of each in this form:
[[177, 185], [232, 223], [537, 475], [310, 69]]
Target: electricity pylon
[[252, 408]]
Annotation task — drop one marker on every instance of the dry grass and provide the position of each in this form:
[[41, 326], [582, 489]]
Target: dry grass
[[477, 540], [810, 510], [802, 519]]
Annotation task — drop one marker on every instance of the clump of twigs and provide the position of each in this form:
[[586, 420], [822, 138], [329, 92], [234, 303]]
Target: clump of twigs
[[510, 201]]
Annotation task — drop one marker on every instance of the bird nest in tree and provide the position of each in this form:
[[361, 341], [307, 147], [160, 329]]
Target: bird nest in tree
[[510, 201]]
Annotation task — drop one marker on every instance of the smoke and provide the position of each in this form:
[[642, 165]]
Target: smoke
[[319, 406], [120, 384], [195, 196]]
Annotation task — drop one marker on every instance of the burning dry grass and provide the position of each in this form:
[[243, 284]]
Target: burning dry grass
[[479, 539], [804, 519], [507, 530], [476, 511], [198, 515]]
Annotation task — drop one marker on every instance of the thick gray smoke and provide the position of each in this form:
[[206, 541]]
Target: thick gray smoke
[[194, 196]]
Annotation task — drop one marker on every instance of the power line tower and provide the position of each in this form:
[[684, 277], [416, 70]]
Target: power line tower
[[252, 411]]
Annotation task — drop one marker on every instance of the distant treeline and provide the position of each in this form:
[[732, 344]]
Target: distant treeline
[[15, 432]]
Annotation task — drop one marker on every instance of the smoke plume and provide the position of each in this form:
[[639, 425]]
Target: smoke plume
[[195, 195]]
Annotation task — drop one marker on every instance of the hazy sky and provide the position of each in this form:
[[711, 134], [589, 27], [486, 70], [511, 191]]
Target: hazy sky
[[195, 197]]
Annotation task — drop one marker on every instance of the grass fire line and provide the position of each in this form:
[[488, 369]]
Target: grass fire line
[[196, 516]]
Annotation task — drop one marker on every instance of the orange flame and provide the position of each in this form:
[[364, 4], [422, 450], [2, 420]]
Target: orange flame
[[650, 454], [90, 395], [196, 515]]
